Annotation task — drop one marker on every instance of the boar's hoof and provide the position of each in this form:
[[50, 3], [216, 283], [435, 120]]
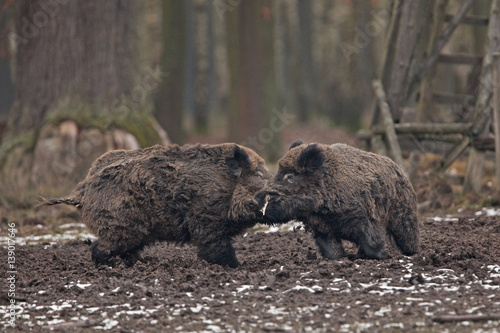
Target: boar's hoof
[[99, 257], [130, 258], [379, 254]]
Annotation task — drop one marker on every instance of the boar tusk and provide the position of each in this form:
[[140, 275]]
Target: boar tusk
[[263, 210]]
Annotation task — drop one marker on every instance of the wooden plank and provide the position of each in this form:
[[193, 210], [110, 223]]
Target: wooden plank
[[434, 128], [471, 19], [388, 123], [419, 128], [460, 59], [447, 98], [446, 138], [495, 65]]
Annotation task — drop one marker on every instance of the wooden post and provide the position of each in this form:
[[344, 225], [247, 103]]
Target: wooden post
[[388, 123], [483, 107], [495, 66], [386, 61], [405, 46]]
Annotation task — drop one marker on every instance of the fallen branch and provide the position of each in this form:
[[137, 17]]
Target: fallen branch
[[470, 317]]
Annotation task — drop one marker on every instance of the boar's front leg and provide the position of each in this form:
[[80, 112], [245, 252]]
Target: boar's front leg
[[330, 248], [219, 251], [99, 257]]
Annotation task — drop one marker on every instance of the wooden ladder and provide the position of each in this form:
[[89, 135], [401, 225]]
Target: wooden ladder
[[406, 74]]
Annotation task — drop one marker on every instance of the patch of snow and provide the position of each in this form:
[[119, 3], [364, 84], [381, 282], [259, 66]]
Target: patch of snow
[[83, 285], [313, 290], [196, 309], [72, 225], [394, 325], [244, 287], [108, 324], [448, 218], [488, 212], [55, 322]]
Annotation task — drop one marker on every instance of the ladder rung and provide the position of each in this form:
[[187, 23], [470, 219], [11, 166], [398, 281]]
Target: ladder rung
[[465, 59], [447, 98], [472, 19]]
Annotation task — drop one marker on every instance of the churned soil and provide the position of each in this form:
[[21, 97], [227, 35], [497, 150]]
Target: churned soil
[[282, 285]]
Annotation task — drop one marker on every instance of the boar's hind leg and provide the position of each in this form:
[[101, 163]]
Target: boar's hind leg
[[372, 242], [218, 252], [405, 231], [329, 248]]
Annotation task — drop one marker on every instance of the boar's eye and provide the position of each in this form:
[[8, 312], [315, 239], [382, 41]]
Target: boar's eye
[[288, 177]]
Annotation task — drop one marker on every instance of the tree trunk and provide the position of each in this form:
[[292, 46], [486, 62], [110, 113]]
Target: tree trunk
[[79, 93], [204, 65], [245, 69], [190, 63], [169, 103], [306, 104], [253, 119]]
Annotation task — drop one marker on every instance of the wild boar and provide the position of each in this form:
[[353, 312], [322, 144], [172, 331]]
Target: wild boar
[[340, 192], [199, 194]]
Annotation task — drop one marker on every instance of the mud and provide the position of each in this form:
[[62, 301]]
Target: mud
[[282, 285]]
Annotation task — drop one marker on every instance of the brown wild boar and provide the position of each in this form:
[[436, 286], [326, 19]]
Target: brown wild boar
[[199, 194], [340, 192]]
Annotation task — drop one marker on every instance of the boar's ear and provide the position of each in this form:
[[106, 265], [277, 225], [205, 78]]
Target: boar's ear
[[238, 162], [295, 144], [311, 158]]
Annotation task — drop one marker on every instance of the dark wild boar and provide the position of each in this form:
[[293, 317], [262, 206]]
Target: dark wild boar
[[199, 194], [340, 192]]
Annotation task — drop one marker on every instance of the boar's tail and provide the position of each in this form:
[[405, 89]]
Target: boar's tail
[[56, 201]]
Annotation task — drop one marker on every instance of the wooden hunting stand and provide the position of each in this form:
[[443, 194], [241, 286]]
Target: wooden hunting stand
[[415, 39]]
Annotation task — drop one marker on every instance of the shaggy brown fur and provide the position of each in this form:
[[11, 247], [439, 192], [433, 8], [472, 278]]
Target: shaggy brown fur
[[202, 194], [340, 192]]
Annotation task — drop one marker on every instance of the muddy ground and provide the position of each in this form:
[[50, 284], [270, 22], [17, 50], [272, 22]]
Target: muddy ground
[[282, 285]]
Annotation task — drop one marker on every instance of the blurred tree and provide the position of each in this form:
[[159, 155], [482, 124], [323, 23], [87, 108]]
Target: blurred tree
[[251, 65], [6, 84], [79, 93], [365, 72], [205, 79], [306, 83], [244, 117], [6, 92], [169, 103], [191, 59], [282, 50]]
